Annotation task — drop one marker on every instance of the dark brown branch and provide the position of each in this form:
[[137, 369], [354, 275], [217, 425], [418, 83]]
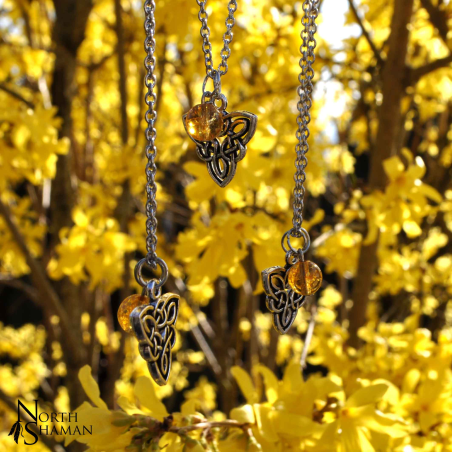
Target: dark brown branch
[[122, 71], [386, 145], [414, 75], [366, 33], [438, 18], [28, 290], [48, 296]]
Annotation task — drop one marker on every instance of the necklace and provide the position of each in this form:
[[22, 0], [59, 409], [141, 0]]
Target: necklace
[[207, 122], [286, 287], [151, 316]]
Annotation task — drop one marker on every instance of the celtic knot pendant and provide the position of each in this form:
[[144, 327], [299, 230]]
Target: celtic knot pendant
[[282, 301], [155, 328], [222, 157], [206, 123], [286, 287]]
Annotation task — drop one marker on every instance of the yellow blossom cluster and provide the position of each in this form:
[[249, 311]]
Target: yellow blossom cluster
[[393, 395]]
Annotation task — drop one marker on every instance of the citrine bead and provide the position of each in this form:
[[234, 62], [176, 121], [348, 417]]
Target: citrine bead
[[126, 308], [305, 278], [204, 122]]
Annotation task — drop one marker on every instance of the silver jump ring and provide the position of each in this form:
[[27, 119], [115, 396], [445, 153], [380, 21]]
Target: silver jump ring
[[139, 272], [288, 234]]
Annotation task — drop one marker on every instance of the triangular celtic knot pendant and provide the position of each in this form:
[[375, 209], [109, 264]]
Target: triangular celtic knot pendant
[[155, 328], [222, 157], [282, 301]]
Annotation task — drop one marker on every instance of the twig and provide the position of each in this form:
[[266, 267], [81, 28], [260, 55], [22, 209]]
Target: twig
[[308, 339], [204, 346], [16, 95], [28, 290], [366, 33], [207, 425]]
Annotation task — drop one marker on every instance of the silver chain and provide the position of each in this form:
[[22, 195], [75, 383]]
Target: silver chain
[[151, 259], [305, 90], [227, 37], [151, 133]]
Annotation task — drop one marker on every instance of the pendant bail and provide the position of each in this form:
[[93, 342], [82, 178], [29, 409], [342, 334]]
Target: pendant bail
[[212, 96], [215, 76], [152, 290]]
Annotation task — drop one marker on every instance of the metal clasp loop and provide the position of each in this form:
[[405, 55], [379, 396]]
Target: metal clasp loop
[[139, 273], [291, 250]]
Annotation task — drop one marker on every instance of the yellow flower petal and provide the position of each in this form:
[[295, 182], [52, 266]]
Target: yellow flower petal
[[244, 414], [294, 425], [245, 384], [145, 393], [367, 395], [270, 381], [264, 422], [91, 387]]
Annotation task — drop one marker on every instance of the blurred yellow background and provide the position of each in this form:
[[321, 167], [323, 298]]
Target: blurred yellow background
[[376, 373]]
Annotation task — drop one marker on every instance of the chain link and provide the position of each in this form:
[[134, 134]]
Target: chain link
[[311, 11], [227, 37], [151, 133]]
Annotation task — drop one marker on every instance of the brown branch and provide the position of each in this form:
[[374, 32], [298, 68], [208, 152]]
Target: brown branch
[[68, 34], [387, 144], [366, 33], [150, 430], [122, 71], [48, 296], [438, 18], [207, 425], [28, 290], [414, 75]]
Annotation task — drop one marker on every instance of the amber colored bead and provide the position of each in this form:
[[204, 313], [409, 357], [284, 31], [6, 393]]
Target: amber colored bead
[[204, 122], [305, 278], [126, 308]]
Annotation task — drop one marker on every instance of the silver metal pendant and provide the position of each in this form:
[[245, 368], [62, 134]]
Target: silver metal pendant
[[281, 300], [222, 157], [155, 328]]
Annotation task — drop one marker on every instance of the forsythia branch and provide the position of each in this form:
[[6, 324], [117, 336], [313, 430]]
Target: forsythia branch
[[48, 296], [416, 74], [438, 18], [30, 291], [151, 430], [366, 33], [16, 95]]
